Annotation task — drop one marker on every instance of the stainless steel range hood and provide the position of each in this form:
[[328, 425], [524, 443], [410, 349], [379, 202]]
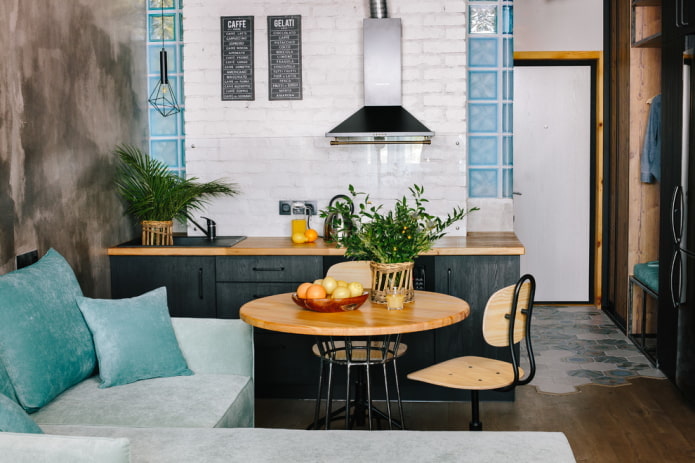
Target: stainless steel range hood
[[382, 119]]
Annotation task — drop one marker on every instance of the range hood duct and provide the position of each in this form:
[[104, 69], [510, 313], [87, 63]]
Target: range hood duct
[[382, 120]]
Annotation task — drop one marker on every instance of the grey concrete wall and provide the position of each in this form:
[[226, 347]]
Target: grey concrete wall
[[72, 87]]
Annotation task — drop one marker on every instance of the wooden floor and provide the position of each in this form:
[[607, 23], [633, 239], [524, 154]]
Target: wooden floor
[[646, 421]]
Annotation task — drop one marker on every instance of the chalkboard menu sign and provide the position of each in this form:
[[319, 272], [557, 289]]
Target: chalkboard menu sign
[[237, 58], [285, 57]]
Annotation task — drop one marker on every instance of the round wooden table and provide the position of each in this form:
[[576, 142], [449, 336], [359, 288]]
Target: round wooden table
[[427, 311]]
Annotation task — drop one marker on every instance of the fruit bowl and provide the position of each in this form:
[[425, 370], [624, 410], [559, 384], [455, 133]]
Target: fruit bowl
[[331, 305]]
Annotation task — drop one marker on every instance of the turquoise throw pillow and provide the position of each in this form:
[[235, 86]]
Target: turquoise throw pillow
[[134, 338], [45, 344], [13, 418]]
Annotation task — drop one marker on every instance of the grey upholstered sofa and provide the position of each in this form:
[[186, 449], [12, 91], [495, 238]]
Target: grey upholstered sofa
[[115, 381]]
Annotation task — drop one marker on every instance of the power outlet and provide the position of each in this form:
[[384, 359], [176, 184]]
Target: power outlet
[[285, 207]]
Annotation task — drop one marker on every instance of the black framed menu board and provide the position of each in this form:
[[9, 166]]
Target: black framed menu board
[[237, 58], [285, 57]]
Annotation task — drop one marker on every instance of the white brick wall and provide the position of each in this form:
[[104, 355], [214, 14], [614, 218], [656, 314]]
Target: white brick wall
[[278, 149]]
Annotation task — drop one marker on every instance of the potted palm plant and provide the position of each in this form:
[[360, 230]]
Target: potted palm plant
[[390, 240], [157, 196]]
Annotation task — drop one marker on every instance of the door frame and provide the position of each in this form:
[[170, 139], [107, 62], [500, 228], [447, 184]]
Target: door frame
[[595, 60]]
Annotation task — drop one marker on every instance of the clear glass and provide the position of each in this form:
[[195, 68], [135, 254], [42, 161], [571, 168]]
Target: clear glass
[[395, 298]]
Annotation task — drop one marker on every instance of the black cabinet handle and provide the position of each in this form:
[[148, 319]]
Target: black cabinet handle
[[448, 281], [200, 283], [268, 269], [677, 208]]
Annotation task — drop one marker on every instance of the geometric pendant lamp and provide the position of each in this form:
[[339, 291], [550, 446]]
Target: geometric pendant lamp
[[163, 97]]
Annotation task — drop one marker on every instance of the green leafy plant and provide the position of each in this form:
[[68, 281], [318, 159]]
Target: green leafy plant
[[153, 192], [395, 236]]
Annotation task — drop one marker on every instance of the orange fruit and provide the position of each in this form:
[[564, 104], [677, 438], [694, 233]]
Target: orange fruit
[[315, 292], [311, 235], [301, 290]]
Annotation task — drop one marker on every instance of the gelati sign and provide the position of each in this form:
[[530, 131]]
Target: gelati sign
[[285, 57]]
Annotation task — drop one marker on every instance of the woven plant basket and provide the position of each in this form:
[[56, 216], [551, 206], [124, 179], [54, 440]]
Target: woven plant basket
[[157, 233], [385, 276]]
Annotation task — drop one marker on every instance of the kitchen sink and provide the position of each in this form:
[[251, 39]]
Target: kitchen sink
[[196, 242]]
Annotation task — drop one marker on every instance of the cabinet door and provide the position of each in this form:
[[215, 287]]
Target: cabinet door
[[231, 296], [190, 281], [473, 279]]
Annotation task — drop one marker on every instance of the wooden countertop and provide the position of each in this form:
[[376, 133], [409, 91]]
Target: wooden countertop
[[475, 244]]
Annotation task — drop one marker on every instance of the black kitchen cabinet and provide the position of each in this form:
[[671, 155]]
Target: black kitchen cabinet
[[285, 366], [678, 17], [190, 281], [217, 286]]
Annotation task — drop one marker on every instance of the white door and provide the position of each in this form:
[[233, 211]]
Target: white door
[[552, 178]]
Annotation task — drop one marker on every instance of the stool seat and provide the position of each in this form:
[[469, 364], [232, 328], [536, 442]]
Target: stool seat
[[359, 351], [648, 274]]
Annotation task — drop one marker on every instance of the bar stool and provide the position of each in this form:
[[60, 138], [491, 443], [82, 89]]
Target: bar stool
[[357, 353]]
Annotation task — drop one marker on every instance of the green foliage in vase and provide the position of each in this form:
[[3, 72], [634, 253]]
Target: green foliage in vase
[[153, 192], [394, 236]]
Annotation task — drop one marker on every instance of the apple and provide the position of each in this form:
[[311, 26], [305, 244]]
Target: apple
[[342, 283], [329, 283], [356, 289], [340, 292]]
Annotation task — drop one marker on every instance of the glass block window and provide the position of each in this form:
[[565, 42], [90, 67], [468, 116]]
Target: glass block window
[[490, 96], [164, 30]]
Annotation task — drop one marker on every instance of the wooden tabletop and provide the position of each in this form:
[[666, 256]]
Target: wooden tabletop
[[428, 311], [474, 244]]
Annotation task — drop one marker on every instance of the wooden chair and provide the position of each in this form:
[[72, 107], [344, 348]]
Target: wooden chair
[[360, 353], [506, 322]]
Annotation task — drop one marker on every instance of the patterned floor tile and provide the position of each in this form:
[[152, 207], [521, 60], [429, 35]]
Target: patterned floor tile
[[579, 345]]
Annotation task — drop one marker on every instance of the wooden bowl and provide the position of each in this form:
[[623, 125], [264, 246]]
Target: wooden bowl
[[331, 305]]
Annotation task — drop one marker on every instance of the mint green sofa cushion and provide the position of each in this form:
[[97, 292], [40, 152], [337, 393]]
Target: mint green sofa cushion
[[134, 338], [198, 401], [13, 418], [45, 345]]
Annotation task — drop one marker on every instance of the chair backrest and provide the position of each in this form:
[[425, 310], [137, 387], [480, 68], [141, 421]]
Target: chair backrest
[[352, 270], [513, 301]]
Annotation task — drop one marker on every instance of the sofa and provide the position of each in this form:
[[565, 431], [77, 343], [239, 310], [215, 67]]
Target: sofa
[[89, 380]]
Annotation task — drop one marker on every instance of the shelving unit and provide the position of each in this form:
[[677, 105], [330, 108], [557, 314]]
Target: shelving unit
[[646, 23]]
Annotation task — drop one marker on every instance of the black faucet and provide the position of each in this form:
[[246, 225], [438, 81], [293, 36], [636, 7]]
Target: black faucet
[[211, 229]]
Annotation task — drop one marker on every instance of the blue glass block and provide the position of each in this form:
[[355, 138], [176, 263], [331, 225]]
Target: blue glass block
[[507, 183], [163, 126], [482, 183], [508, 52], [482, 19], [482, 151], [166, 151], [507, 19], [153, 58], [507, 118], [159, 4], [482, 52], [482, 117], [508, 150], [482, 85], [162, 27], [507, 85]]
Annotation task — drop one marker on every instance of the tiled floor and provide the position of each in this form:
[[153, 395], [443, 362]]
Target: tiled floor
[[578, 345]]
